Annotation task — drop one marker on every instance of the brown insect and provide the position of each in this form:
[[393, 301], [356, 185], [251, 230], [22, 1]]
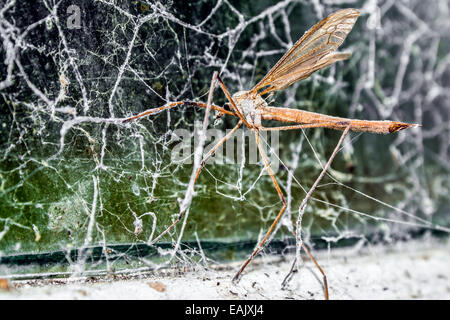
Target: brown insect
[[315, 50]]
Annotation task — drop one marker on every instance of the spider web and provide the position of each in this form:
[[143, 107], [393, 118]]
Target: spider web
[[76, 180]]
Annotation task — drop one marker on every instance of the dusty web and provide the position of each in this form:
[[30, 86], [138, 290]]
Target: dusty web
[[77, 181]]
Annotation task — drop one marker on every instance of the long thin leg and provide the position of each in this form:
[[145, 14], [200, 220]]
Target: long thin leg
[[302, 210], [178, 103], [214, 149], [325, 282], [293, 269], [202, 165], [280, 194], [235, 108]]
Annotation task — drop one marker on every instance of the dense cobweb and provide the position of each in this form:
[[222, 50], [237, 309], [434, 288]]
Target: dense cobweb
[[75, 177]]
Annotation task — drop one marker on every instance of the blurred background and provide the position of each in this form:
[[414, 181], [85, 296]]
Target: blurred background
[[82, 192]]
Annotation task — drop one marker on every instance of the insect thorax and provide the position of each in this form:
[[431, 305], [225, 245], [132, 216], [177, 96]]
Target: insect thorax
[[251, 106]]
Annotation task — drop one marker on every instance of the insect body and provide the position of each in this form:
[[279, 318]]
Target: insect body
[[313, 51], [254, 109], [252, 106]]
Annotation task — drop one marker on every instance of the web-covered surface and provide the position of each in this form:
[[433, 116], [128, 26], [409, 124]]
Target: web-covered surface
[[73, 176]]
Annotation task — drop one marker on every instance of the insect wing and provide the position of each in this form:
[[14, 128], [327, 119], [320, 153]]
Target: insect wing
[[313, 51]]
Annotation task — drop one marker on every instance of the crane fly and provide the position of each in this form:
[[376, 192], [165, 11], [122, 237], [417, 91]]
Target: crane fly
[[315, 50]]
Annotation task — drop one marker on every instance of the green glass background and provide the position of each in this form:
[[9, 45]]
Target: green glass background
[[47, 192]]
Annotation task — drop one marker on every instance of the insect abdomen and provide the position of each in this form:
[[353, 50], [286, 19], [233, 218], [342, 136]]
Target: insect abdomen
[[305, 117]]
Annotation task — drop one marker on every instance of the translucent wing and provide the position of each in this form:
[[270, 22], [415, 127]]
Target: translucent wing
[[313, 51]]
